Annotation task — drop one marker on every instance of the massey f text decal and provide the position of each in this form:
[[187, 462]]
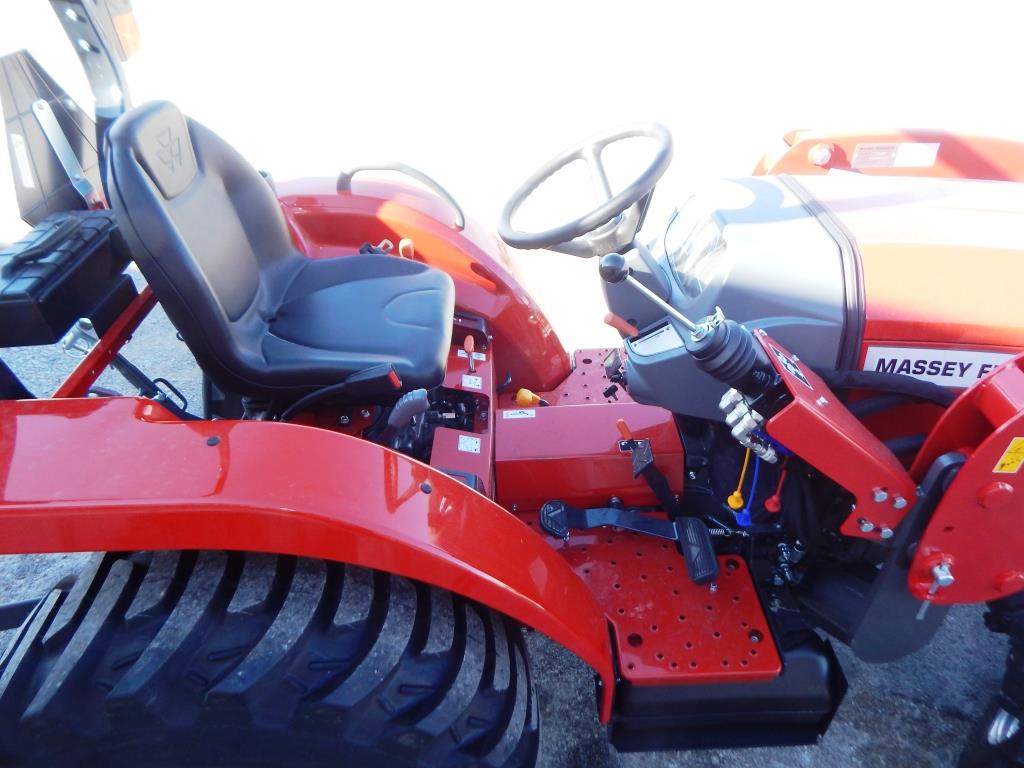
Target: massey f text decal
[[948, 367]]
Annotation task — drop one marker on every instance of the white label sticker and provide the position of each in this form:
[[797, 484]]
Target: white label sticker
[[469, 444], [905, 154], [21, 161], [662, 340], [948, 367], [472, 382], [480, 356], [519, 413]]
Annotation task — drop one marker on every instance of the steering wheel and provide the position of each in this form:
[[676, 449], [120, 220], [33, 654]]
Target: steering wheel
[[614, 223]]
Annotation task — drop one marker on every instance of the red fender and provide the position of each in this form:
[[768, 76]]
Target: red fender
[[124, 474]]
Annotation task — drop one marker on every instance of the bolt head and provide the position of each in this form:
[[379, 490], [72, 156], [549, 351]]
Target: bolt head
[[898, 502], [1009, 581], [820, 154], [995, 495], [942, 574], [344, 420], [866, 526], [886, 533], [880, 495]]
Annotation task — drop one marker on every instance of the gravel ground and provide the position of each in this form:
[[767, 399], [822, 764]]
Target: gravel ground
[[910, 714]]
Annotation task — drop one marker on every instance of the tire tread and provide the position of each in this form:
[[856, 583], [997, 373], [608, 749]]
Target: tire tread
[[171, 658]]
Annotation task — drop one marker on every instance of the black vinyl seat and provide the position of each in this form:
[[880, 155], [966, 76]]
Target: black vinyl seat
[[262, 319]]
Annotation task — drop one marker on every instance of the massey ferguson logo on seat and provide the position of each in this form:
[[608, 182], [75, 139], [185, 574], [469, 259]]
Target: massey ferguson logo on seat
[[170, 150], [948, 367]]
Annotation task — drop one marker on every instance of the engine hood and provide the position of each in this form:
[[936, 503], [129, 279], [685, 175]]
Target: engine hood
[[941, 268], [942, 260]]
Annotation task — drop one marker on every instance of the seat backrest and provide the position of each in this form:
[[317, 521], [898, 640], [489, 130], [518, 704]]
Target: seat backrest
[[206, 230]]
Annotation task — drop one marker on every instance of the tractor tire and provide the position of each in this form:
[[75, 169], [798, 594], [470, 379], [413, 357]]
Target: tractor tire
[[995, 741], [232, 659]]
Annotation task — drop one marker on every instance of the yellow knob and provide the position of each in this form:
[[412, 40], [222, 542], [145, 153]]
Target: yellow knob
[[526, 398]]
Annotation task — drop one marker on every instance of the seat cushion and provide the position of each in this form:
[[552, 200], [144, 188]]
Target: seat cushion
[[350, 313], [262, 320]]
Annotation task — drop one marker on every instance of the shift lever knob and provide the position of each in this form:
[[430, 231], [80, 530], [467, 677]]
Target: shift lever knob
[[613, 268]]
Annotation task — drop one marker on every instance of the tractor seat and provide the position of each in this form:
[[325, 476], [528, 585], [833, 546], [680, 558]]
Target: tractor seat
[[262, 319]]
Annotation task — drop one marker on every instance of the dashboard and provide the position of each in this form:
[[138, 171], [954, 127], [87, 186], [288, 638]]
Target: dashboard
[[748, 246]]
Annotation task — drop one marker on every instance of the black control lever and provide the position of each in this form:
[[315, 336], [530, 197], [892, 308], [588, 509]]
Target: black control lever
[[721, 348], [642, 458], [690, 534]]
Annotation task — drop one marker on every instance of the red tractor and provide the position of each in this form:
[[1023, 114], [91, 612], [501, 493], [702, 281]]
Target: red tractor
[[398, 466]]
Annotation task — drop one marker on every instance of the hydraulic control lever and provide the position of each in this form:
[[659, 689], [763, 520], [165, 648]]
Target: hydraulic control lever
[[642, 458], [614, 270], [721, 348]]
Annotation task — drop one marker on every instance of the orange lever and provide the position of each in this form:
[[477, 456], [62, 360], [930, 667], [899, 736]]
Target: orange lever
[[620, 325], [624, 429], [469, 345]]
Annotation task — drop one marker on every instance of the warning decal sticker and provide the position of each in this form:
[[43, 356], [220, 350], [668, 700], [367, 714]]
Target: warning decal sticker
[[469, 444], [519, 413], [903, 154], [1012, 459], [472, 382]]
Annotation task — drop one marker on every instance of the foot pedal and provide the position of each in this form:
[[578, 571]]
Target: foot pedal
[[699, 552], [554, 519], [558, 518]]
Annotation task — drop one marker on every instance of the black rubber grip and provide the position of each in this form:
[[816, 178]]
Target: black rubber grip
[[699, 552]]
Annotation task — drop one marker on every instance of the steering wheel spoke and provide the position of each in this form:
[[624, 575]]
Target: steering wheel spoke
[[592, 157], [616, 218]]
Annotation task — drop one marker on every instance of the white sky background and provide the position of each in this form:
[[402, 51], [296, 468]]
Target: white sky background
[[478, 94]]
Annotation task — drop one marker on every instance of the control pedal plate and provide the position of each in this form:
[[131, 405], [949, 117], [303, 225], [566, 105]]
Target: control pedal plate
[[666, 628]]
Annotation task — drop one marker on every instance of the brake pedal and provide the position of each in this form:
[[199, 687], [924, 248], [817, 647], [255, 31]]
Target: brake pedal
[[698, 550], [690, 534]]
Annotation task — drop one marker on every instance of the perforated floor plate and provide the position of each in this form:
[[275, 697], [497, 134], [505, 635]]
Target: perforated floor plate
[[668, 629]]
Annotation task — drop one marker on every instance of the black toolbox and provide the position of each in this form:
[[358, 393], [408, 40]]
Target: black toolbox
[[70, 265]]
